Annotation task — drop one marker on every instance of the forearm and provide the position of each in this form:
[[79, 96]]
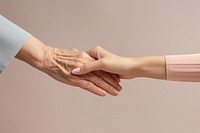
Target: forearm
[[150, 67], [16, 42], [184, 68]]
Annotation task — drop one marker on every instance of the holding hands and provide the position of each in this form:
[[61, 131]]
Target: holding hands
[[58, 63], [109, 62], [97, 70]]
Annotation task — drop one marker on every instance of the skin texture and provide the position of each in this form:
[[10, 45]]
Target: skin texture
[[125, 67], [58, 63]]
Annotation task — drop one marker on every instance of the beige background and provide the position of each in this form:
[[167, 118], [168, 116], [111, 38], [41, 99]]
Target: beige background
[[32, 102]]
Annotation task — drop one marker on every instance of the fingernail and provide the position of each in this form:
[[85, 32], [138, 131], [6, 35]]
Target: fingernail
[[116, 92], [76, 70], [103, 93]]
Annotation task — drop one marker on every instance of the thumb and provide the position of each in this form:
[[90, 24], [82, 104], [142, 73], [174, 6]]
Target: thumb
[[88, 67]]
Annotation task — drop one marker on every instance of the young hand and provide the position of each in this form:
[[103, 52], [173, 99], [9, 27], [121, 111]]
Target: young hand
[[109, 62], [126, 68]]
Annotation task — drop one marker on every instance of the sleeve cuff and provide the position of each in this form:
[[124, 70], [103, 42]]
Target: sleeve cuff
[[184, 68], [12, 39]]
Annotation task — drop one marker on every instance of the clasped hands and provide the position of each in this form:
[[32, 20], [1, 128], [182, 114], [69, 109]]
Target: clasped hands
[[95, 70], [59, 63]]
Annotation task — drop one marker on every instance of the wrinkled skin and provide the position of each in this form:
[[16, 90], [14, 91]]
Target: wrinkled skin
[[58, 63]]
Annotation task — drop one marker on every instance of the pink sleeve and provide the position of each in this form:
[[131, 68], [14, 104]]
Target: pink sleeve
[[183, 67]]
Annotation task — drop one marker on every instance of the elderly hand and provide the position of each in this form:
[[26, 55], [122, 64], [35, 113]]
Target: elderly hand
[[58, 63]]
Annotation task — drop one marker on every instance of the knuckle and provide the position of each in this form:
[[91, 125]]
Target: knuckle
[[87, 85], [98, 82], [84, 57], [98, 47], [82, 54], [74, 49]]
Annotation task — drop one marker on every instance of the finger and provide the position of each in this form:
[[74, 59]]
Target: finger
[[96, 52], [109, 79], [101, 83], [116, 77], [89, 86], [86, 68]]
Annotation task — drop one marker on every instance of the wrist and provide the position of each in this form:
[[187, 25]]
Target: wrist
[[33, 52], [150, 67]]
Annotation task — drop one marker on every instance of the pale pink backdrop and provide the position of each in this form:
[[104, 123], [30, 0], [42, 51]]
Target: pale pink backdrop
[[32, 102]]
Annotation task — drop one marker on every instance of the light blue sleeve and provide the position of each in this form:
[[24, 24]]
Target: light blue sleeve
[[12, 39]]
